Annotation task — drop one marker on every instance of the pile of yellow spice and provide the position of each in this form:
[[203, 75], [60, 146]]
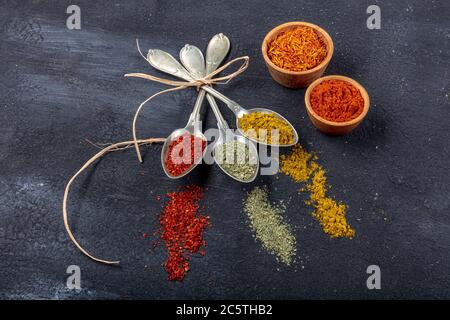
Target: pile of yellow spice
[[302, 166]]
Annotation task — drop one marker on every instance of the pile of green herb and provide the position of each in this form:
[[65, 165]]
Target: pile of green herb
[[235, 158], [268, 225]]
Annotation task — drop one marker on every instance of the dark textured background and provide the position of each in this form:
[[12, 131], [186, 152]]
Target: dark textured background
[[59, 87]]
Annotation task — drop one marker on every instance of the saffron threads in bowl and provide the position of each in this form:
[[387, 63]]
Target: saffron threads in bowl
[[298, 49], [336, 100], [182, 229], [184, 152], [267, 128]]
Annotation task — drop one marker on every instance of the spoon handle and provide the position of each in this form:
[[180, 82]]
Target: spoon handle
[[221, 123], [195, 114], [217, 50], [192, 59], [165, 62], [232, 105]]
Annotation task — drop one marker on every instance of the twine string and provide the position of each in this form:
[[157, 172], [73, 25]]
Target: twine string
[[113, 147], [179, 85], [209, 79]]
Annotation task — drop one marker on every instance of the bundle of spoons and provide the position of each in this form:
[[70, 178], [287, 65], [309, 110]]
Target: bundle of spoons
[[185, 148]]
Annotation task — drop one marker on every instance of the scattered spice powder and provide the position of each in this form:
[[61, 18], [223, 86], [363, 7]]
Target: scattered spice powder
[[302, 166], [182, 229], [259, 126], [298, 49], [337, 100], [184, 152], [299, 165], [269, 226], [330, 214]]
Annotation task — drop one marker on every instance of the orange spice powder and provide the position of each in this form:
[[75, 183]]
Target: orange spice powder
[[299, 49], [337, 100]]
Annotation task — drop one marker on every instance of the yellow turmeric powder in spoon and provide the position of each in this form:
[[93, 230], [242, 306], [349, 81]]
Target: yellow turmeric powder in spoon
[[266, 127]]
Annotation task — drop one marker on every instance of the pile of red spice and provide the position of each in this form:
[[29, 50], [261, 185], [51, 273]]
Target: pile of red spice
[[182, 229], [184, 152], [337, 100]]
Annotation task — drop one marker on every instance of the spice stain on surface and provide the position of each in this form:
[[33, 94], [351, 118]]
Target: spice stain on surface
[[303, 167], [269, 227]]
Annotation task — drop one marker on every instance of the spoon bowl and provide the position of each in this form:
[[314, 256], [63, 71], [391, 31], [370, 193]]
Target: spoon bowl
[[239, 112], [253, 153], [175, 135], [192, 59], [165, 62], [242, 112]]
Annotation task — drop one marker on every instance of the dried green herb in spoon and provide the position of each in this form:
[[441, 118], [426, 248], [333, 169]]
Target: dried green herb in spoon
[[236, 159]]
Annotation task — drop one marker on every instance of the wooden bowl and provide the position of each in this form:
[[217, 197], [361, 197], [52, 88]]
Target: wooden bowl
[[296, 79], [330, 127]]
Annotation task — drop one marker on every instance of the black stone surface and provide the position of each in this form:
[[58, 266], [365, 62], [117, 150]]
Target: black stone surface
[[59, 87]]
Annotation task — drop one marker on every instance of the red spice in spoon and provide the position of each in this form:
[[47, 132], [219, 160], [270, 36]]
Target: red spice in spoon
[[184, 152]]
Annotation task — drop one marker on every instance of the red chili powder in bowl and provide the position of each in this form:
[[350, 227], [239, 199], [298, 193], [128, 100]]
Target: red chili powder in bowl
[[184, 151], [337, 100]]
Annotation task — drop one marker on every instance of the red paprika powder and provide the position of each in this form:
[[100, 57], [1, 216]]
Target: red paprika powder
[[184, 152], [337, 100], [182, 229]]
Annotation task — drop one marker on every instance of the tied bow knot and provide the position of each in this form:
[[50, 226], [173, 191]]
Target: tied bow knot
[[206, 80], [209, 79]]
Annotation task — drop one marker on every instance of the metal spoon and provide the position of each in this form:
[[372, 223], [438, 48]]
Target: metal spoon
[[239, 112], [165, 62], [193, 128], [191, 57]]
